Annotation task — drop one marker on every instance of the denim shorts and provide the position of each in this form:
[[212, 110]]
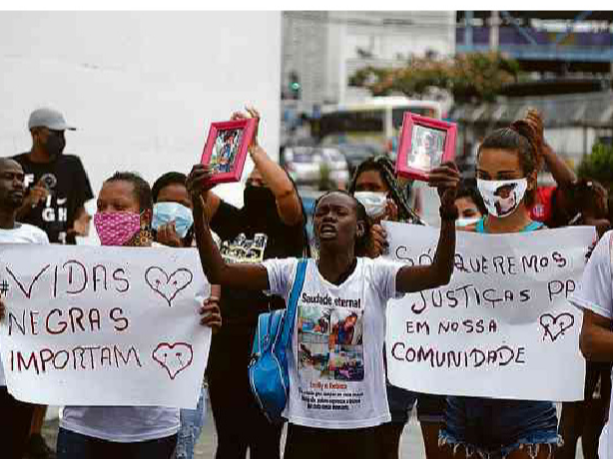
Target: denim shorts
[[494, 428], [430, 408], [192, 422]]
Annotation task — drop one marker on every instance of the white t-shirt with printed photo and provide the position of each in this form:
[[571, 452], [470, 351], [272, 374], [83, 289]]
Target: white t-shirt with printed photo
[[337, 375], [21, 234], [596, 295]]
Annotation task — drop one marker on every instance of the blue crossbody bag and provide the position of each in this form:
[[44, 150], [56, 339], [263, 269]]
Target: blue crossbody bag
[[268, 371]]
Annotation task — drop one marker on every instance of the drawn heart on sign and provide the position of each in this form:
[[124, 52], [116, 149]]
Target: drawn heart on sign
[[174, 358], [556, 326], [168, 286]]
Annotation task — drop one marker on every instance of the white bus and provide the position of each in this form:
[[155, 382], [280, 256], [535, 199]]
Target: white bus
[[375, 122]]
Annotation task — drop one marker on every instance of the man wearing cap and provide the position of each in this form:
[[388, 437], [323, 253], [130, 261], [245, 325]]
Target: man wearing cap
[[58, 186], [57, 189]]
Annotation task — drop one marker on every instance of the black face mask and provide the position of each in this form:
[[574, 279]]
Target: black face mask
[[259, 200], [55, 145]]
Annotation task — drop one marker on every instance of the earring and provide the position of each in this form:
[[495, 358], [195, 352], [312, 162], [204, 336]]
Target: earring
[[144, 237]]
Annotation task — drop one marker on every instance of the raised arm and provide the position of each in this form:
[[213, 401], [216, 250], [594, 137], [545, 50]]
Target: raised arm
[[212, 202], [217, 271], [416, 278], [596, 340], [561, 172], [286, 197]]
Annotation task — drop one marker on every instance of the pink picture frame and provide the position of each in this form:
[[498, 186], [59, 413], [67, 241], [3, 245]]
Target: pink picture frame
[[424, 143], [225, 150]]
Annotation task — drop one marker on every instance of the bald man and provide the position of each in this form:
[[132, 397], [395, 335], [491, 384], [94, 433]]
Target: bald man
[[15, 416]]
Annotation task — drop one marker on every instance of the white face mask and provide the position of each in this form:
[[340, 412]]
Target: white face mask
[[502, 197], [463, 222], [375, 203]]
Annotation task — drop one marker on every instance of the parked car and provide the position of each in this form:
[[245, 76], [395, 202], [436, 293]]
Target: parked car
[[315, 165], [355, 153]]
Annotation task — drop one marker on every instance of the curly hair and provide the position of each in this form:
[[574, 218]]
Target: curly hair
[[142, 190], [385, 167]]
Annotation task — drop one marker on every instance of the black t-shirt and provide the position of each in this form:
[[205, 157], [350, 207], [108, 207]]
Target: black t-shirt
[[69, 189], [251, 240]]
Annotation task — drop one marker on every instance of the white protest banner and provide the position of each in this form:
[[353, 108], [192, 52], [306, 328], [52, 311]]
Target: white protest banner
[[103, 325], [503, 327]]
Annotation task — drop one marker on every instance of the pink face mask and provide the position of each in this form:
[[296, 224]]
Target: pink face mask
[[116, 228]]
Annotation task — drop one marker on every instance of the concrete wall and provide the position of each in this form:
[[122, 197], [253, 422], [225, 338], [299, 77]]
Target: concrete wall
[[141, 87]]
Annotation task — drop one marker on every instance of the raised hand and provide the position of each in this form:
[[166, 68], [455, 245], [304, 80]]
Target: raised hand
[[167, 235], [37, 193], [251, 113], [533, 118], [446, 179], [377, 244], [199, 183]]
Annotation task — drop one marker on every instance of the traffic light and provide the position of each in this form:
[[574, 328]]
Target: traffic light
[[294, 86]]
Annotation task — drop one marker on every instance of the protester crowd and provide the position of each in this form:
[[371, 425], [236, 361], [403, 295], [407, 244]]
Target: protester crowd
[[251, 256]]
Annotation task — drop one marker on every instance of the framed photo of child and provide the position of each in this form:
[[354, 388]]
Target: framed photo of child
[[425, 143], [226, 148]]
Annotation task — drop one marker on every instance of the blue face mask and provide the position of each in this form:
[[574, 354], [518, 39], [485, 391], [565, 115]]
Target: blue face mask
[[166, 212]]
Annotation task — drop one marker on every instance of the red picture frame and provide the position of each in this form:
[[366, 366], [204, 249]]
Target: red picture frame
[[424, 143], [225, 150]]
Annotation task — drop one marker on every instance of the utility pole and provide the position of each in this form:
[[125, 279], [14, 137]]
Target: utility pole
[[494, 31], [468, 31]]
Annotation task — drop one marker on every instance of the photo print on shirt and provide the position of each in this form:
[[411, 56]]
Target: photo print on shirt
[[330, 343]]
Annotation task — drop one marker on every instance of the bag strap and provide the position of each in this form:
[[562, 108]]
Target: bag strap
[[533, 226], [292, 304]]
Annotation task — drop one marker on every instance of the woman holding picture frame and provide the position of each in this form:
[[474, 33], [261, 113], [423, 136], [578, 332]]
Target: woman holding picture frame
[[269, 225], [376, 186], [337, 398]]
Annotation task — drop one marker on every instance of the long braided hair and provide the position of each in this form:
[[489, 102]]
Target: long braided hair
[[385, 167]]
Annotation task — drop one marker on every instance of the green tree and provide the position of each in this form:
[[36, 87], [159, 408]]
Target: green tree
[[598, 165], [473, 77]]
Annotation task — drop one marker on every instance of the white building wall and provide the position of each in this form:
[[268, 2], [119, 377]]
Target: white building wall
[[304, 51], [335, 64], [141, 87]]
